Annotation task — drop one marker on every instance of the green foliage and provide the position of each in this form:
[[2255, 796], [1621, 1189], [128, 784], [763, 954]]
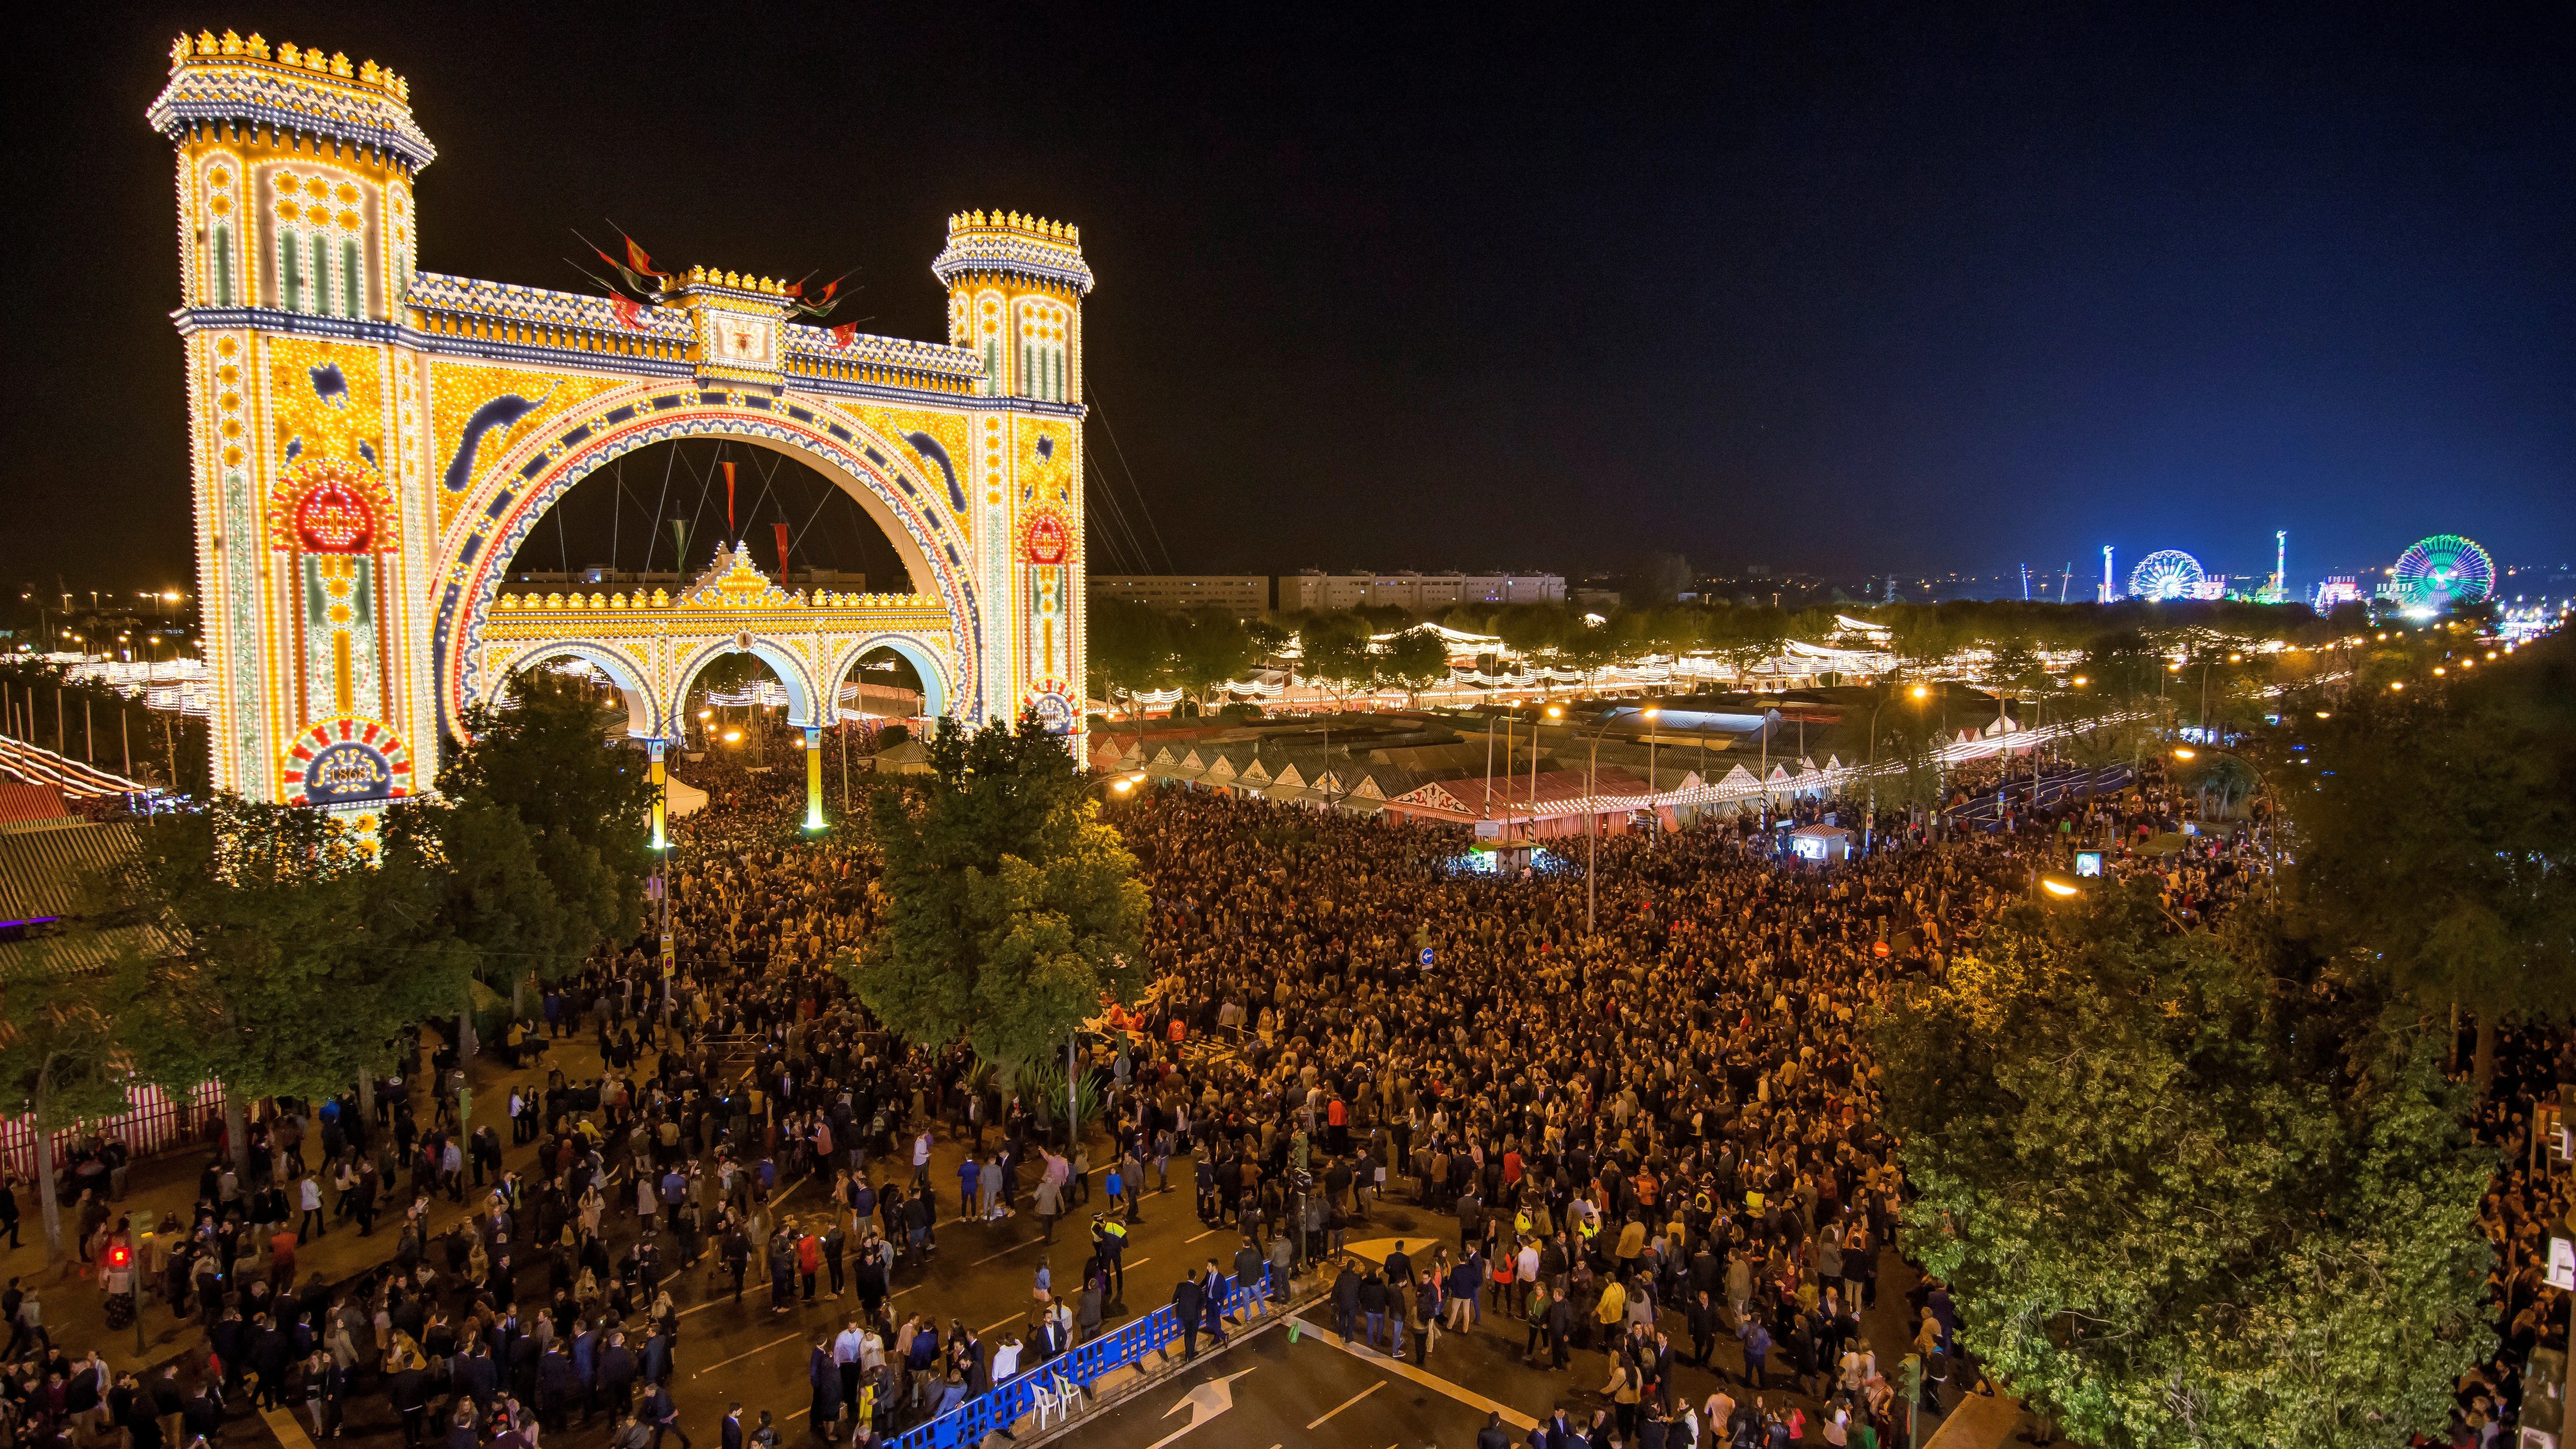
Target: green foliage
[[1129, 649], [2189, 1190], [2437, 833], [283, 962], [545, 828], [1333, 649], [1415, 659], [1210, 648], [1011, 911], [62, 1059]]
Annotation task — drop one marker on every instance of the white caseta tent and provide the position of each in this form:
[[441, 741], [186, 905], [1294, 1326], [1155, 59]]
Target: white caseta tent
[[686, 799]]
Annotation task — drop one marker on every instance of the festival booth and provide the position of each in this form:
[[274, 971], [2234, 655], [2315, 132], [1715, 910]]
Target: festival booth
[[1821, 844]]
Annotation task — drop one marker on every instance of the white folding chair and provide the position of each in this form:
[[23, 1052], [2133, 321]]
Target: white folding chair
[[1048, 1405], [1069, 1394]]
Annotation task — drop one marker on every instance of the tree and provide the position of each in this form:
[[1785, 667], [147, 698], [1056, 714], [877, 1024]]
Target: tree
[[1415, 659], [1210, 648], [1745, 638], [1333, 650], [2189, 1189], [584, 810], [1012, 912], [1129, 649], [273, 958], [2436, 837], [62, 1058]]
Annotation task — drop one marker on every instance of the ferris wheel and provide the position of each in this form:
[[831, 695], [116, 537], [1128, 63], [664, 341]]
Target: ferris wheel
[[2165, 574], [2442, 569]]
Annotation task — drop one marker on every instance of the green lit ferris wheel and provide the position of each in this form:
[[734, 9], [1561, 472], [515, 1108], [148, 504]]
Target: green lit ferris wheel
[[2442, 570]]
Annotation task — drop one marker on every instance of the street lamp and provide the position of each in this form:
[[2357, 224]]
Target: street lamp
[[1652, 788]]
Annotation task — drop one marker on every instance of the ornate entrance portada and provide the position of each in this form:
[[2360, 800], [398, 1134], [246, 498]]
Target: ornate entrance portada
[[372, 443]]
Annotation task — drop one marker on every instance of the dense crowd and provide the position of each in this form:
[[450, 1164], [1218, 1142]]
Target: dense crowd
[[1655, 1130]]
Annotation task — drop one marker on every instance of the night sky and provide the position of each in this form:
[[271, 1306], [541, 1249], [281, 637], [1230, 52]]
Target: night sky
[[1826, 288]]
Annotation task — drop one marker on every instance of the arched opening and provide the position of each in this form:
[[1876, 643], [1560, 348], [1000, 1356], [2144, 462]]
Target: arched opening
[[739, 708], [620, 690], [653, 518], [890, 683]]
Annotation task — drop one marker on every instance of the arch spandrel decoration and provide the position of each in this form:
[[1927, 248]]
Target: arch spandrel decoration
[[382, 439]]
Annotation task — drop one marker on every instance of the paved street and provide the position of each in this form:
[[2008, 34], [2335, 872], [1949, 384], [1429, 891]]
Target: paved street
[[1269, 1392], [982, 1275]]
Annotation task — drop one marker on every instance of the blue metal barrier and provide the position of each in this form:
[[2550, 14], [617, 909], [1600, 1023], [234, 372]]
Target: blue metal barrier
[[1006, 1402]]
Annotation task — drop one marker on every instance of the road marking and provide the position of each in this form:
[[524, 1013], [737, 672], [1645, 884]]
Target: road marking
[[1210, 1233], [747, 1353], [1346, 1403], [1006, 1252], [998, 1322], [1462, 1394], [289, 1433]]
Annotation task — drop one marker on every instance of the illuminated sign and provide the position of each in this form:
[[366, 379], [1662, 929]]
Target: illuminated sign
[[345, 772]]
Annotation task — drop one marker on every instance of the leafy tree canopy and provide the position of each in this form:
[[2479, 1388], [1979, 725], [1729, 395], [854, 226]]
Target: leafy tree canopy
[[281, 961], [2189, 1189], [2436, 834], [546, 828], [1012, 912]]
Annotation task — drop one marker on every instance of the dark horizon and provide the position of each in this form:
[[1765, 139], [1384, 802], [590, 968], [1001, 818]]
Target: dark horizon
[[1844, 291]]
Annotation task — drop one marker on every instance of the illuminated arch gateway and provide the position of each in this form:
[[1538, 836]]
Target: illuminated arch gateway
[[372, 443]]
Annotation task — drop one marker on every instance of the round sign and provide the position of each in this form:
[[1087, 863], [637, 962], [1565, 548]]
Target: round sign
[[346, 761], [1426, 955], [346, 772]]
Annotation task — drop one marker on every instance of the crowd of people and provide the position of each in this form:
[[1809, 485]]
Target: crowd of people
[[1648, 1108]]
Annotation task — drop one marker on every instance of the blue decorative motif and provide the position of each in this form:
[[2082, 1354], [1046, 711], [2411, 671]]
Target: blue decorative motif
[[928, 447], [500, 412]]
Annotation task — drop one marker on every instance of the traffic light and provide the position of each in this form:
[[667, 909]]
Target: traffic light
[[119, 1257]]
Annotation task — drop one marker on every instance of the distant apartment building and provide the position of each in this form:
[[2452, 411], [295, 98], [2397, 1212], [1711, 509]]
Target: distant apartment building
[[1418, 592], [1246, 596]]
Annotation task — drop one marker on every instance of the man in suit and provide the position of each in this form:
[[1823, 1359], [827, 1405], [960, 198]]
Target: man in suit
[[733, 1427], [1188, 1299]]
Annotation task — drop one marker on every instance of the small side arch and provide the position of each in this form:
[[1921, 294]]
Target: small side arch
[[928, 658], [645, 717], [802, 695]]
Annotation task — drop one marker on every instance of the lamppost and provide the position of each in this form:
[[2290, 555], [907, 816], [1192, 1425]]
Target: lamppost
[[1869, 828], [1591, 821], [1653, 789]]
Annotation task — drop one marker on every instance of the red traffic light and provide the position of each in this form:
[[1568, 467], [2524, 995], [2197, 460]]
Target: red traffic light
[[119, 1256]]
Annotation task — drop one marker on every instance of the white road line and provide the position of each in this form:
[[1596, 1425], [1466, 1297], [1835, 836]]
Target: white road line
[[282, 1423], [1346, 1403], [1428, 1380], [1006, 1252], [998, 1322], [1210, 1233], [747, 1353]]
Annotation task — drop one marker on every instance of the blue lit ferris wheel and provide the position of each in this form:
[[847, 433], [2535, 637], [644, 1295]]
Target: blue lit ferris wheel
[[2441, 570], [2167, 573]]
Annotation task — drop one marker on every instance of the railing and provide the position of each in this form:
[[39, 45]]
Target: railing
[[158, 1123], [1005, 1403]]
